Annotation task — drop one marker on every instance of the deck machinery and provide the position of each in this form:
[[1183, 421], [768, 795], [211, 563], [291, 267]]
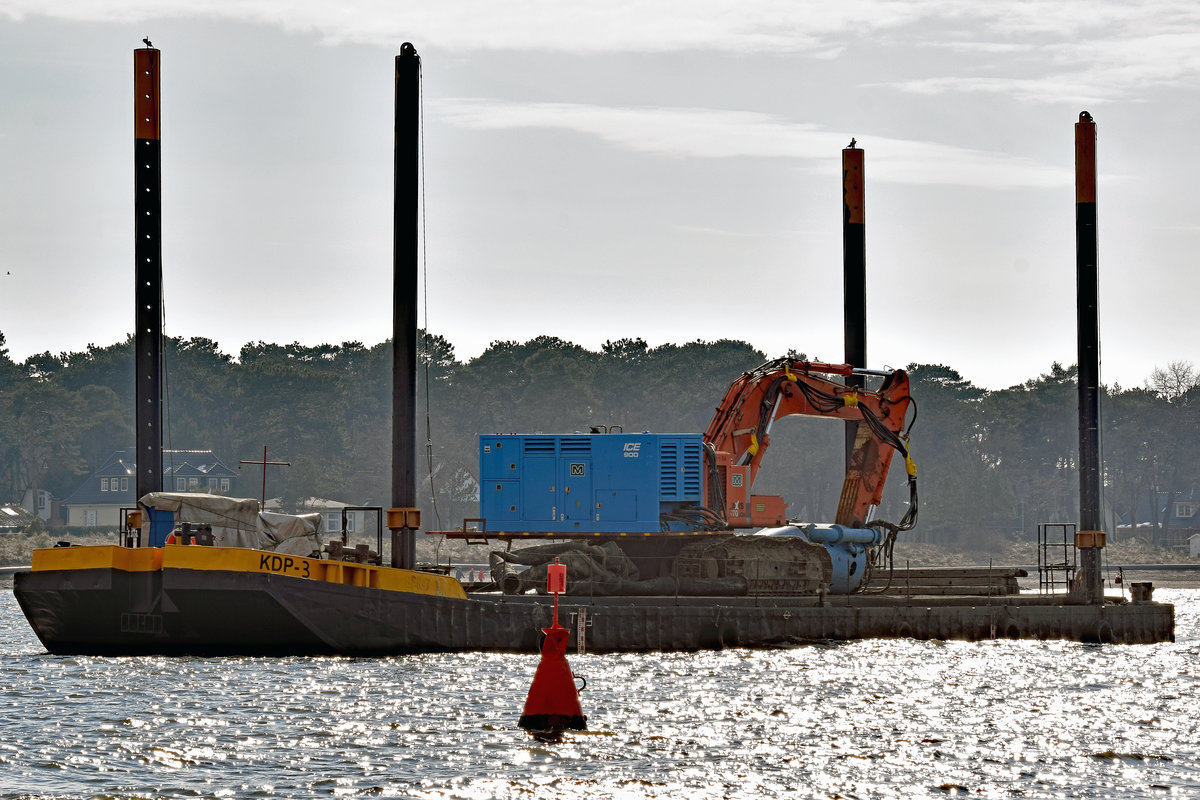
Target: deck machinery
[[656, 494]]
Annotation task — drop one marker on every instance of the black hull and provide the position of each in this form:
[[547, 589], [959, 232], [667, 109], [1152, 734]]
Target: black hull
[[197, 612]]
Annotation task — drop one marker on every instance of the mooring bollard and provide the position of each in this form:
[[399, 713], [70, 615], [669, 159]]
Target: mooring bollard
[[1141, 592], [553, 702]]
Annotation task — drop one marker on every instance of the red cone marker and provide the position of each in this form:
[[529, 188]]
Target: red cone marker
[[553, 702]]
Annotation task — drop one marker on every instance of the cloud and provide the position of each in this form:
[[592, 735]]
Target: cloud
[[645, 25], [548, 25], [1053, 52], [716, 133], [1043, 50], [1095, 71], [1071, 90], [1062, 19]]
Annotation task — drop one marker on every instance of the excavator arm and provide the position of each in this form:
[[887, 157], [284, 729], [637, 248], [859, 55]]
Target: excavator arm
[[740, 432]]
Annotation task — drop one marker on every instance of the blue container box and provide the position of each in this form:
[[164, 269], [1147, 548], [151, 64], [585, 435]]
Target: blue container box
[[581, 483]]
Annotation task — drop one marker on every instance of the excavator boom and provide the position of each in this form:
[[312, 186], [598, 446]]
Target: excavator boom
[[740, 432]]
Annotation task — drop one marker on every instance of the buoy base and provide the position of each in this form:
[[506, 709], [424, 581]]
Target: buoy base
[[553, 722], [550, 727]]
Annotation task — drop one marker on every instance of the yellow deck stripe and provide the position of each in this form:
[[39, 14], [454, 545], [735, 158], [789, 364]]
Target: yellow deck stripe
[[240, 559], [104, 556]]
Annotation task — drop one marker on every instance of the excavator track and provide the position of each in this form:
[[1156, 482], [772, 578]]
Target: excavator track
[[771, 566]]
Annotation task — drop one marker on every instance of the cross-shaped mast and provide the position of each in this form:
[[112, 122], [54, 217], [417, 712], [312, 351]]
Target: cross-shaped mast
[[262, 503]]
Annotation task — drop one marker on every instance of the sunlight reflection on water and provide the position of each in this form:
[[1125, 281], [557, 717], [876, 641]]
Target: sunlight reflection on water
[[857, 719]]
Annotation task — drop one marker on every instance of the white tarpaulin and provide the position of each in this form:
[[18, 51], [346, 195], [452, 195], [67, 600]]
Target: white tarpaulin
[[237, 522]]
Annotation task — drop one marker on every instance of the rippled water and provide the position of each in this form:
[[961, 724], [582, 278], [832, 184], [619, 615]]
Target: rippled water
[[860, 719]]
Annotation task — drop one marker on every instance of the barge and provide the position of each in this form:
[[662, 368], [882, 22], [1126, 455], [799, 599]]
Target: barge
[[196, 600], [716, 565]]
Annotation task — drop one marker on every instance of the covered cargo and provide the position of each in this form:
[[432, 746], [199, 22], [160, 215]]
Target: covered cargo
[[235, 522]]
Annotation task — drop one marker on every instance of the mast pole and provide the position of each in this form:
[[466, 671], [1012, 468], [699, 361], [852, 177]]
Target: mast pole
[[1090, 537], [147, 270], [262, 504], [403, 516], [854, 273]]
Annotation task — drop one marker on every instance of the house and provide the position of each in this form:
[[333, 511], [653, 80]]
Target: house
[[1183, 512], [1178, 516], [45, 505], [1194, 545], [357, 522], [99, 501], [196, 471], [15, 518]]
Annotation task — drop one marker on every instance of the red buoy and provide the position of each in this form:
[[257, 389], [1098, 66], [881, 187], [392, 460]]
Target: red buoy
[[553, 702]]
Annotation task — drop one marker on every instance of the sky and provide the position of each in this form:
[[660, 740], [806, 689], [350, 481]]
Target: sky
[[665, 170]]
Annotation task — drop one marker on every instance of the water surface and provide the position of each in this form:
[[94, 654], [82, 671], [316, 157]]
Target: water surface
[[877, 718]]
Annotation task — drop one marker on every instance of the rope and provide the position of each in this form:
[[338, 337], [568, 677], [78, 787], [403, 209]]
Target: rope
[[425, 296], [164, 411]]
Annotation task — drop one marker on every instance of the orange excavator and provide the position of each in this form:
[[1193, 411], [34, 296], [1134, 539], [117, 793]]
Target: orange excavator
[[740, 432]]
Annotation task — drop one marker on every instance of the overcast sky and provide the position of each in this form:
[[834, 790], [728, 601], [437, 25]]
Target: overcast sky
[[664, 170]]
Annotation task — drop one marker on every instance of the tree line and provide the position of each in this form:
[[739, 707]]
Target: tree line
[[992, 463]]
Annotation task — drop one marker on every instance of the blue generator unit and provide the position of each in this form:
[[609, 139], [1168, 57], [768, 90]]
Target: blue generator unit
[[588, 483]]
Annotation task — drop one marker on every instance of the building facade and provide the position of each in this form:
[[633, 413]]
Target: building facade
[[100, 501]]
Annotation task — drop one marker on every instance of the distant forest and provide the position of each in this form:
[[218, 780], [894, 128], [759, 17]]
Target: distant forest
[[992, 464]]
